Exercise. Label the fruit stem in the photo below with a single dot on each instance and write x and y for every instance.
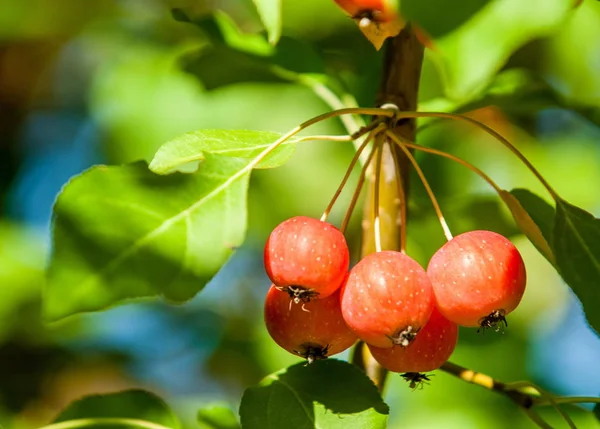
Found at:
(376, 220)
(494, 134)
(353, 162)
(339, 138)
(262, 155)
(403, 203)
(436, 206)
(453, 158)
(356, 193)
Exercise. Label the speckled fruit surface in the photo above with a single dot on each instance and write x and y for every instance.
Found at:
(306, 252)
(316, 324)
(386, 293)
(432, 347)
(476, 274)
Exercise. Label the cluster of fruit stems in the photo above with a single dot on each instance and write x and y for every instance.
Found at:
(375, 136)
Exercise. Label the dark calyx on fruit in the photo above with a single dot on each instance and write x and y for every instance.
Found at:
(404, 336)
(493, 320)
(312, 352)
(416, 379)
(299, 294)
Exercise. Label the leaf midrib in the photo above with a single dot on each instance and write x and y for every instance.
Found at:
(167, 223)
(306, 411)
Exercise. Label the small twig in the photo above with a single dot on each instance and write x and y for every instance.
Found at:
(512, 391)
(356, 193)
(491, 132)
(349, 170)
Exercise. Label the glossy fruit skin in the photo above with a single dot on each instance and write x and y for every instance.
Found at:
(386, 293)
(307, 252)
(378, 10)
(475, 274)
(430, 349)
(318, 323)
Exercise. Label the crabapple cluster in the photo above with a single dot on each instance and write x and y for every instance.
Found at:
(407, 316)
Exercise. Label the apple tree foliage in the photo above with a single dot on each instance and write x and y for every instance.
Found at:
(164, 229)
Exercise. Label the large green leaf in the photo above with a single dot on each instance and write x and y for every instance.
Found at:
(326, 394)
(577, 250)
(471, 54)
(217, 416)
(270, 14)
(534, 216)
(191, 147)
(122, 232)
(129, 404)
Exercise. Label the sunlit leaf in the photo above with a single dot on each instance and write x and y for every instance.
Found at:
(191, 147)
(270, 14)
(577, 250)
(472, 53)
(129, 404)
(535, 218)
(122, 232)
(326, 394)
(217, 416)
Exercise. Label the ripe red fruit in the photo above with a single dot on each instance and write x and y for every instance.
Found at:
(307, 258)
(387, 299)
(376, 10)
(430, 349)
(315, 330)
(478, 278)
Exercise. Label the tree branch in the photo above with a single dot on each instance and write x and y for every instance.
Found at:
(399, 86)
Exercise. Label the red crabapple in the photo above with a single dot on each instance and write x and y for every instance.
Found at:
(430, 349)
(307, 258)
(387, 299)
(314, 331)
(478, 278)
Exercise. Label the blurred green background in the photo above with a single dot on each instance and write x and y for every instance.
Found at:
(108, 81)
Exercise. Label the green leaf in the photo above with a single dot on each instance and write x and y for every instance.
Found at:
(535, 217)
(129, 404)
(597, 411)
(473, 53)
(577, 250)
(191, 147)
(286, 63)
(217, 416)
(440, 17)
(325, 394)
(270, 15)
(122, 232)
(521, 94)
